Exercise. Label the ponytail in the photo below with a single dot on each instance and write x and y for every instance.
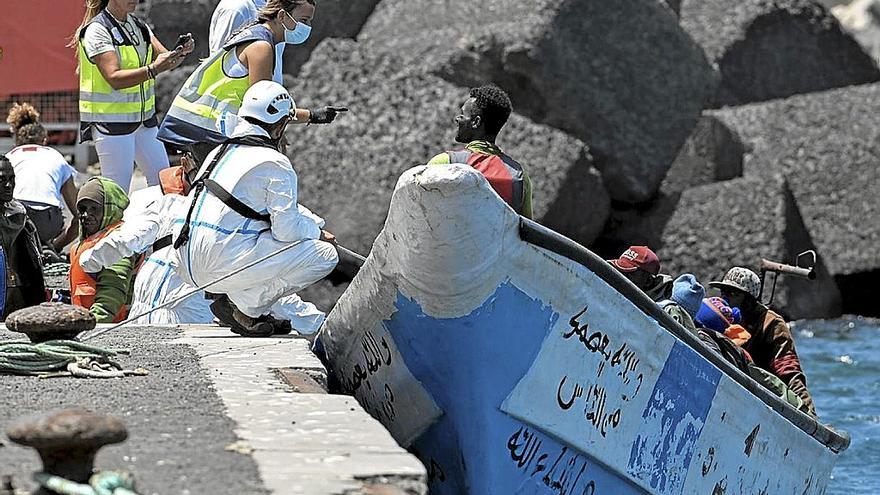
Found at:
(93, 8)
(24, 122)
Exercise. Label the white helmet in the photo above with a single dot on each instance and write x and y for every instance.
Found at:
(267, 101)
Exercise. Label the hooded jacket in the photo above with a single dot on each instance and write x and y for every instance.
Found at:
(24, 267)
(107, 293)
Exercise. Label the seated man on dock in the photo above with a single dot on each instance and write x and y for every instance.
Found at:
(23, 268)
(642, 267)
(771, 344)
(482, 116)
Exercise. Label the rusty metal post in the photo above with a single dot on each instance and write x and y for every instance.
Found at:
(68, 440)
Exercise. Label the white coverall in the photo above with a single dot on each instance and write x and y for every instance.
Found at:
(221, 240)
(149, 217)
(156, 282)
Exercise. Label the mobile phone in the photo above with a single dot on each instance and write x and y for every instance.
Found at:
(182, 40)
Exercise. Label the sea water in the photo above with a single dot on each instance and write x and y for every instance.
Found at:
(841, 358)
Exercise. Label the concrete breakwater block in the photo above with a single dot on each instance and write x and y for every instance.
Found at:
(622, 76)
(51, 321)
(773, 49)
(637, 225)
(333, 19)
(712, 153)
(738, 222)
(401, 117)
(827, 145)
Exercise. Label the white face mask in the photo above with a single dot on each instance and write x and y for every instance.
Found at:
(299, 34)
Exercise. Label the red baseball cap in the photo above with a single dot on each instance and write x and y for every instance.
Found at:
(637, 258)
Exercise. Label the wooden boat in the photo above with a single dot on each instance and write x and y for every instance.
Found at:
(511, 360)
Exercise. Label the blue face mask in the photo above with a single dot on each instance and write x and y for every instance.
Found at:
(297, 35)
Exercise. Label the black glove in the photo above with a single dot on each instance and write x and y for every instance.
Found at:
(324, 115)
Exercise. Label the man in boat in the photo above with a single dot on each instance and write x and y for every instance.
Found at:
(720, 330)
(687, 296)
(23, 267)
(482, 117)
(642, 267)
(242, 209)
(771, 344)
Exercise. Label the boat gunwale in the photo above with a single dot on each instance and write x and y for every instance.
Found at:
(540, 236)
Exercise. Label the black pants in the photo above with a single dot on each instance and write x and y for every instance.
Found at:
(49, 222)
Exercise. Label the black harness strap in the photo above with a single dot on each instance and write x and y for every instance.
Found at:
(222, 194)
(162, 243)
(233, 202)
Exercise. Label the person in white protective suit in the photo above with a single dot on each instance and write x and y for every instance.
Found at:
(147, 226)
(243, 207)
(145, 222)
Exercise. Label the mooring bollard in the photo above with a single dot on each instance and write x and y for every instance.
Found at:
(51, 321)
(67, 441)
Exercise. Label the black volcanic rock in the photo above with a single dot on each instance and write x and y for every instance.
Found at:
(827, 145)
(623, 77)
(767, 49)
(712, 153)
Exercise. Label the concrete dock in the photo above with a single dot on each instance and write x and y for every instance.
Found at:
(220, 414)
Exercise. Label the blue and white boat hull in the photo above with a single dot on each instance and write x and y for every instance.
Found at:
(512, 361)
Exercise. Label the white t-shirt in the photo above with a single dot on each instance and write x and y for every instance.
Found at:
(228, 18)
(98, 39)
(40, 172)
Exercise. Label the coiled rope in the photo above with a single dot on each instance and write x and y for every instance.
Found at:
(61, 358)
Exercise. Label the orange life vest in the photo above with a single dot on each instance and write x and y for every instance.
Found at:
(172, 180)
(83, 286)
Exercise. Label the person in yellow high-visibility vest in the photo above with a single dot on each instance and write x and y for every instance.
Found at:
(195, 121)
(119, 58)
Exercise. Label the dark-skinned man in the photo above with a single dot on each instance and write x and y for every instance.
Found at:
(18, 237)
(641, 266)
(482, 117)
(771, 344)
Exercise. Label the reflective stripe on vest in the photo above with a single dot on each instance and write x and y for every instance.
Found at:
(83, 287)
(98, 101)
(503, 173)
(209, 92)
(172, 180)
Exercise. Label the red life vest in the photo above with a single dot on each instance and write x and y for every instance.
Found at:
(504, 174)
(83, 287)
(172, 180)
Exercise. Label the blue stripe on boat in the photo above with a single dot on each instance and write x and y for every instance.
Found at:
(673, 420)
